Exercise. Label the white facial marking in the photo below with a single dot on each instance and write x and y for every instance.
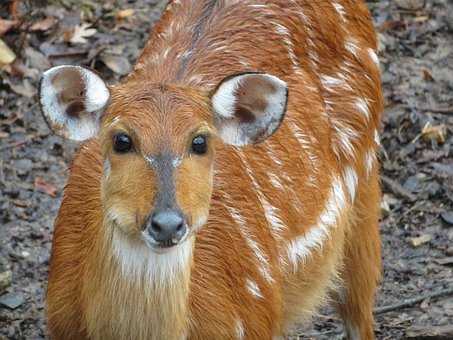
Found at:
(151, 161)
(106, 169)
(351, 180)
(138, 261)
(176, 162)
(254, 289)
(300, 248)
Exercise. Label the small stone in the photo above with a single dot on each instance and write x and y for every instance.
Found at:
(411, 183)
(5, 280)
(12, 301)
(449, 251)
(447, 217)
(23, 166)
(418, 241)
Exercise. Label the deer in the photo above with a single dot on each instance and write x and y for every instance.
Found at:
(228, 187)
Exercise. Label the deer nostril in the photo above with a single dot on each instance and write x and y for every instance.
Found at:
(167, 226)
(156, 227)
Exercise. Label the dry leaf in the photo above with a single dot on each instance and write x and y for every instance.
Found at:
(43, 25)
(80, 33)
(124, 14)
(6, 25)
(7, 56)
(418, 241)
(437, 132)
(117, 64)
(42, 186)
(25, 88)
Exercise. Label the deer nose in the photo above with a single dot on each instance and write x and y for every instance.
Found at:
(167, 227)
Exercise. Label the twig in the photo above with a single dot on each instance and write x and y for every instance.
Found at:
(411, 302)
(397, 188)
(441, 110)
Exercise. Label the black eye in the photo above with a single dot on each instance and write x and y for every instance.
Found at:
(199, 145)
(122, 143)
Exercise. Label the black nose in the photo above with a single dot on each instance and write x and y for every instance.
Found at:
(167, 227)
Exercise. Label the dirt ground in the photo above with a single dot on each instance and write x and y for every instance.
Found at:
(416, 53)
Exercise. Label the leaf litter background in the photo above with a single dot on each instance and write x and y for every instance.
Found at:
(416, 52)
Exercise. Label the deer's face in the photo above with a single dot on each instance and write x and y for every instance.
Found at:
(158, 142)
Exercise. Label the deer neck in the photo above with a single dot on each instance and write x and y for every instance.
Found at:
(142, 294)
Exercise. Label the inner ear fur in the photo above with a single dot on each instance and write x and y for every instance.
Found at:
(249, 107)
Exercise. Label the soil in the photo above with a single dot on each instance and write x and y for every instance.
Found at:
(416, 53)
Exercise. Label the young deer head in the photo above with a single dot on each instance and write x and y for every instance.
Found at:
(158, 142)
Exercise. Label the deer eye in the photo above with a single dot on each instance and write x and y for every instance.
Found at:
(199, 145)
(122, 143)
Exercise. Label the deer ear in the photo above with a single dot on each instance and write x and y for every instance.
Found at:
(249, 108)
(72, 100)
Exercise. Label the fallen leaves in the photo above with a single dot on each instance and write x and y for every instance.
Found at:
(42, 186)
(117, 63)
(43, 25)
(7, 56)
(79, 34)
(124, 14)
(6, 25)
(436, 132)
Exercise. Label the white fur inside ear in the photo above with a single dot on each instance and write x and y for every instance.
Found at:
(235, 92)
(77, 80)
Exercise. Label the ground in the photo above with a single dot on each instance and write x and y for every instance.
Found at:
(416, 53)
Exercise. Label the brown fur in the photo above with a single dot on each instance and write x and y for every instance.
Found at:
(162, 105)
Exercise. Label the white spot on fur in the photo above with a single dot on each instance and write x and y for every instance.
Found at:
(351, 181)
(370, 159)
(352, 46)
(262, 258)
(363, 107)
(345, 137)
(301, 247)
(240, 332)
(270, 212)
(374, 56)
(270, 153)
(275, 181)
(254, 289)
(286, 36)
(340, 10)
(138, 260)
(377, 139)
(331, 83)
